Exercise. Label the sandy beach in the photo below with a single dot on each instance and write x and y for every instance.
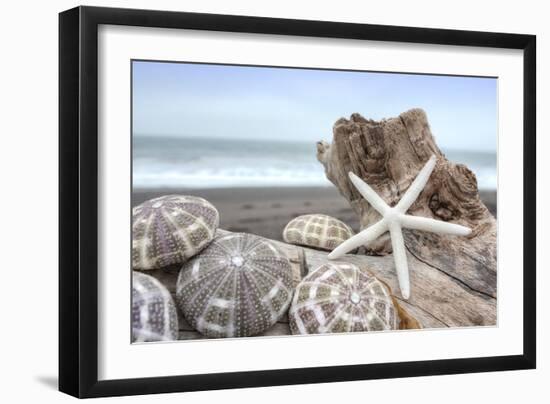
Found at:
(266, 211)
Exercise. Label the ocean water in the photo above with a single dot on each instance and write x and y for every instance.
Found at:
(218, 163)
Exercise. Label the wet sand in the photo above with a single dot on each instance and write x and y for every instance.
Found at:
(266, 211)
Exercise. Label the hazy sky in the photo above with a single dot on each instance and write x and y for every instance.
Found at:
(179, 99)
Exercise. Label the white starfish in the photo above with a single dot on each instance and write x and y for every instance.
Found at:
(393, 220)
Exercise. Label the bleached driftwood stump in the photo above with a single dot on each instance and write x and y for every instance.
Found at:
(452, 278)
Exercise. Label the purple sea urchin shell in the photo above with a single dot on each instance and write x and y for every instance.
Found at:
(171, 229)
(154, 316)
(341, 297)
(240, 285)
(316, 230)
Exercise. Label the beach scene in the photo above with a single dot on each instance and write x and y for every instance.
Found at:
(276, 201)
(241, 137)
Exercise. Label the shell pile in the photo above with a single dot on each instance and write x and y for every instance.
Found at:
(239, 286)
(154, 316)
(318, 231)
(171, 229)
(341, 297)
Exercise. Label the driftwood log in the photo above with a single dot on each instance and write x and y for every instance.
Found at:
(453, 278)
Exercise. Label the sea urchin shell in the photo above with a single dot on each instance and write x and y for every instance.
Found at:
(341, 297)
(154, 316)
(319, 231)
(171, 229)
(240, 285)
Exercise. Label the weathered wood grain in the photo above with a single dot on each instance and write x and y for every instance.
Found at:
(437, 300)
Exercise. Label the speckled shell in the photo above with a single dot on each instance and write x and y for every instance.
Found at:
(318, 231)
(239, 286)
(340, 297)
(154, 316)
(171, 229)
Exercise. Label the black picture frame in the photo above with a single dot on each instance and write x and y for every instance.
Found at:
(78, 200)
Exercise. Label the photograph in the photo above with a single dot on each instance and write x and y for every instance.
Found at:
(273, 201)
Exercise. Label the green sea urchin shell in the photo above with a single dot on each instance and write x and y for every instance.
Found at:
(240, 285)
(171, 229)
(341, 297)
(154, 316)
(318, 231)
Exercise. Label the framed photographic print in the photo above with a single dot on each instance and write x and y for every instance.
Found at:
(251, 201)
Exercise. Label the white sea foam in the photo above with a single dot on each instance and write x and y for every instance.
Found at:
(241, 176)
(213, 163)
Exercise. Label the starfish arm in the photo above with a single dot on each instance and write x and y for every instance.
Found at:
(365, 237)
(400, 259)
(369, 194)
(417, 186)
(434, 226)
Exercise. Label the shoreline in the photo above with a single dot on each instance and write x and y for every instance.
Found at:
(265, 211)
